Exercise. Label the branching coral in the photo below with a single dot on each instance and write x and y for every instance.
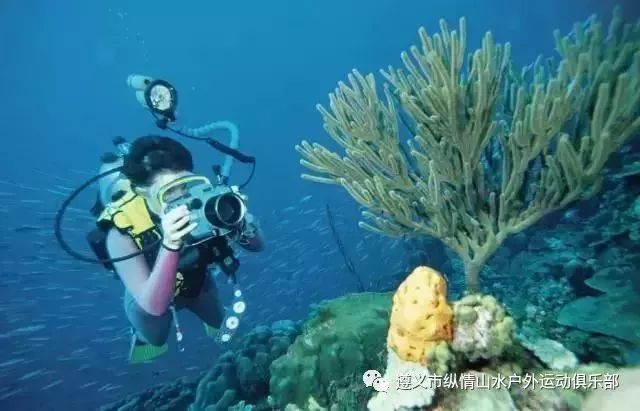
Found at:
(492, 151)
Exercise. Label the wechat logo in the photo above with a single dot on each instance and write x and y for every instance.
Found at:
(373, 378)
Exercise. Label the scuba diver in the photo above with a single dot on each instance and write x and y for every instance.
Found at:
(166, 231)
(164, 277)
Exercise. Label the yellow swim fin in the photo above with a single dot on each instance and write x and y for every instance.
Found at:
(142, 352)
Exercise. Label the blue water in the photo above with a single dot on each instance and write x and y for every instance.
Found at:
(262, 65)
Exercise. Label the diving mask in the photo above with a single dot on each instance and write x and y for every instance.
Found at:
(216, 209)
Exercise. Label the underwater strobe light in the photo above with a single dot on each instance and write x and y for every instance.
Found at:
(159, 96)
(232, 319)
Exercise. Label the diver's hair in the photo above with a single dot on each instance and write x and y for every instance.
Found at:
(150, 155)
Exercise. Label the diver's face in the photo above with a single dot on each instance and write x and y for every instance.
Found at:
(160, 180)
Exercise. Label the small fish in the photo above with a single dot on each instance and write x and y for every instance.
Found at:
(12, 362)
(106, 329)
(80, 350)
(58, 193)
(27, 228)
(306, 198)
(29, 329)
(77, 210)
(104, 387)
(64, 188)
(53, 384)
(11, 393)
(32, 374)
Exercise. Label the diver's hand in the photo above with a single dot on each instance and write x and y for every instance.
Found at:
(175, 225)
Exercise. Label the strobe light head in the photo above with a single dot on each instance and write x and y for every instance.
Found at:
(159, 96)
(162, 98)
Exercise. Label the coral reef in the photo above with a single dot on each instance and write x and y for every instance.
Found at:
(607, 307)
(243, 375)
(175, 396)
(492, 151)
(322, 369)
(495, 399)
(476, 329)
(558, 287)
(539, 274)
(342, 338)
(616, 312)
(483, 352)
(238, 381)
(624, 398)
(552, 353)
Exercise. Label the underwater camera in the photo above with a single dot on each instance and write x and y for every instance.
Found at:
(217, 209)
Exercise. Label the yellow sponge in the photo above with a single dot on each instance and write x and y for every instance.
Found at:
(421, 316)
